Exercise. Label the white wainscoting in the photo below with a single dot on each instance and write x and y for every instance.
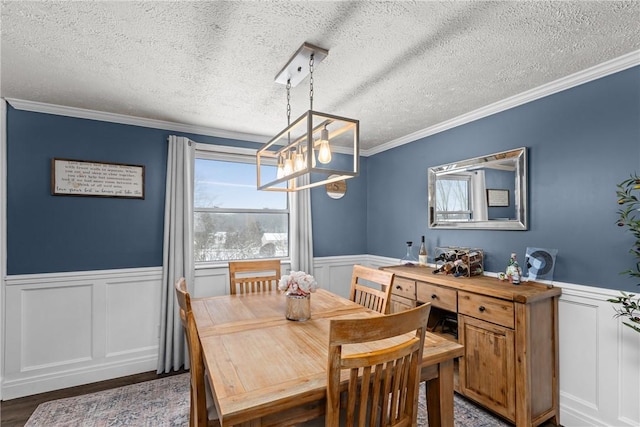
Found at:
(334, 273)
(599, 361)
(66, 329)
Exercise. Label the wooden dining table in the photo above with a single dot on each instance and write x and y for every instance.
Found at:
(266, 370)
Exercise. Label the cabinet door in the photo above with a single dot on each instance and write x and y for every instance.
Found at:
(399, 304)
(487, 370)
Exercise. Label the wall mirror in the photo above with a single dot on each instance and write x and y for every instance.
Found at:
(488, 192)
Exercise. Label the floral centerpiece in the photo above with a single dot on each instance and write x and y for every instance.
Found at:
(298, 287)
(298, 283)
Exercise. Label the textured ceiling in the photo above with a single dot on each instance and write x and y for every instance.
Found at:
(397, 66)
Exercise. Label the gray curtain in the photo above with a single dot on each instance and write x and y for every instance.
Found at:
(479, 196)
(302, 238)
(177, 251)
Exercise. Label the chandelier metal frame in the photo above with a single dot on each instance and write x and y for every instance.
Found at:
(294, 148)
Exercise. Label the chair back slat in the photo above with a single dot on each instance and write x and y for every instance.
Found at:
(363, 293)
(253, 276)
(382, 387)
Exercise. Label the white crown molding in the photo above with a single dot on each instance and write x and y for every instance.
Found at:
(60, 110)
(606, 68)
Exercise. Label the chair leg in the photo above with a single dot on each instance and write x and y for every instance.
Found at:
(192, 409)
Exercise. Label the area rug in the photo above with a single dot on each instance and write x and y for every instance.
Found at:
(165, 403)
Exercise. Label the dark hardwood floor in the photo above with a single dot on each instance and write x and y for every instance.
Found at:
(16, 412)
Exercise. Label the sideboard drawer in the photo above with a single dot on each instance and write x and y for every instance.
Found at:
(404, 288)
(444, 298)
(482, 307)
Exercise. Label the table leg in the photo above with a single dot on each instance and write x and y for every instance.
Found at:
(440, 396)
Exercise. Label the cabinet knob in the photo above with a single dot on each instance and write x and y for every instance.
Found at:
(481, 308)
(398, 287)
(434, 296)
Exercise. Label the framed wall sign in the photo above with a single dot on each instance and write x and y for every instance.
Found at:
(497, 198)
(97, 179)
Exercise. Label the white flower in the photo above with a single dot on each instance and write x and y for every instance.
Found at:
(298, 282)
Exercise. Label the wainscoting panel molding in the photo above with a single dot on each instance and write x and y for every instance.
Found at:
(579, 352)
(334, 273)
(66, 329)
(599, 361)
(71, 307)
(125, 300)
(210, 282)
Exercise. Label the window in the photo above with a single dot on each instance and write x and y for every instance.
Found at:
(232, 219)
(453, 198)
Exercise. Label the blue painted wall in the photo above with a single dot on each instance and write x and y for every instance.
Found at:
(340, 225)
(581, 143)
(48, 233)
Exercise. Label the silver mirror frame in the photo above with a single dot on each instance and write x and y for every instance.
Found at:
(519, 156)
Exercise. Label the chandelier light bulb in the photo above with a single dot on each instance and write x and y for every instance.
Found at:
(299, 163)
(288, 166)
(280, 170)
(324, 154)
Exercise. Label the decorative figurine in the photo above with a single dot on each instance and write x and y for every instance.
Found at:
(513, 270)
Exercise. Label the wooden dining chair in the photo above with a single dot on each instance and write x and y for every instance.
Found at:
(253, 276)
(203, 411)
(382, 386)
(372, 298)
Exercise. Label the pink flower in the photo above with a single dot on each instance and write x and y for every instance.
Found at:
(298, 282)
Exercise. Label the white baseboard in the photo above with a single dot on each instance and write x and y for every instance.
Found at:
(29, 385)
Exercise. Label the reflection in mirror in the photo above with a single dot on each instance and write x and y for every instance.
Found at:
(488, 192)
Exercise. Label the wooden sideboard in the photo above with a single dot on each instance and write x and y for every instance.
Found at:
(509, 332)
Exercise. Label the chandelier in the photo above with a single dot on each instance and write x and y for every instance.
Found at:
(317, 148)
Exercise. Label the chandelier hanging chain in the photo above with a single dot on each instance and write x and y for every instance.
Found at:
(289, 102)
(289, 108)
(311, 82)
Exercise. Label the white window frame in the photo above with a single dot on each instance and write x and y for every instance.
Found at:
(462, 177)
(241, 155)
